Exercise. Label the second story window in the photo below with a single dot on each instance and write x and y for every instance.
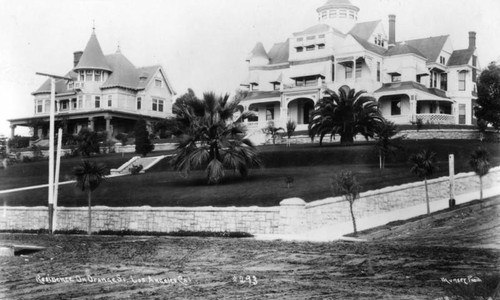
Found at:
(442, 60)
(97, 102)
(461, 81)
(276, 86)
(139, 103)
(39, 106)
(97, 76)
(88, 76)
(157, 105)
(348, 72)
(299, 49)
(79, 102)
(110, 100)
(343, 13)
(81, 76)
(444, 82)
(310, 48)
(359, 70)
(321, 46)
(269, 112)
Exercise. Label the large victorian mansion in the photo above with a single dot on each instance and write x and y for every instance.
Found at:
(105, 93)
(422, 79)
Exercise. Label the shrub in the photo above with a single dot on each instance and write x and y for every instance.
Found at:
(19, 142)
(122, 137)
(88, 142)
(143, 143)
(135, 169)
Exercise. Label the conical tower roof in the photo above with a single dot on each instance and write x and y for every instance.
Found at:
(92, 57)
(258, 51)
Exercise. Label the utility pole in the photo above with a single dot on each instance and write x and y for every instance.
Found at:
(451, 162)
(51, 142)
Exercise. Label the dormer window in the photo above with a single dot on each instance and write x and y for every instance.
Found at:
(300, 39)
(254, 86)
(396, 78)
(321, 36)
(310, 48)
(299, 49)
(70, 85)
(442, 60)
(321, 46)
(88, 75)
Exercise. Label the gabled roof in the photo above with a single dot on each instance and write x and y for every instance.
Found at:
(406, 85)
(430, 47)
(61, 85)
(146, 74)
(369, 46)
(279, 53)
(258, 51)
(364, 30)
(318, 28)
(92, 57)
(460, 57)
(403, 48)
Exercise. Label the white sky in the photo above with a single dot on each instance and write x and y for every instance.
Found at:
(202, 44)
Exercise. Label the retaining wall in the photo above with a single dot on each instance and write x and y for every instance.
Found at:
(292, 216)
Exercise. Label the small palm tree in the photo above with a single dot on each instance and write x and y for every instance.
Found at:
(273, 131)
(480, 163)
(346, 185)
(290, 129)
(347, 113)
(424, 165)
(386, 143)
(89, 176)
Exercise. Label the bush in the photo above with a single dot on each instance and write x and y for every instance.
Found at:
(135, 169)
(143, 143)
(122, 137)
(88, 142)
(19, 142)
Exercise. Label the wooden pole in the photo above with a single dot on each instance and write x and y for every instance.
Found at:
(451, 163)
(56, 184)
(51, 150)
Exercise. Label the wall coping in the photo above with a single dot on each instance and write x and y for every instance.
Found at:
(149, 208)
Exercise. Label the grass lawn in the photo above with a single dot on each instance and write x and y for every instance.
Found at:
(311, 166)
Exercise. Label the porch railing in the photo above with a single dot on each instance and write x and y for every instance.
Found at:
(435, 118)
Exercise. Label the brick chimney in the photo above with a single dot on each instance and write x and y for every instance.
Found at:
(472, 40)
(392, 30)
(76, 57)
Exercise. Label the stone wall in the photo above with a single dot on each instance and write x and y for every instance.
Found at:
(292, 216)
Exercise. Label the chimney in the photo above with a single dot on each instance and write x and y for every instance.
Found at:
(392, 30)
(76, 57)
(472, 40)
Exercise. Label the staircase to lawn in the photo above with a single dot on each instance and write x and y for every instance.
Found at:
(145, 162)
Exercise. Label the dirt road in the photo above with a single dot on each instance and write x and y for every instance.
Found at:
(404, 261)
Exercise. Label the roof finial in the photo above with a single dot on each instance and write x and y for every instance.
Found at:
(93, 26)
(118, 50)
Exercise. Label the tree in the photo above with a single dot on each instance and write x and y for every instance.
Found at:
(488, 96)
(346, 185)
(88, 142)
(290, 129)
(347, 113)
(424, 165)
(143, 144)
(212, 140)
(386, 142)
(480, 163)
(182, 100)
(272, 131)
(89, 176)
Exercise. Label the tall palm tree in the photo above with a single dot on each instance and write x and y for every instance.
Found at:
(212, 138)
(480, 163)
(347, 113)
(89, 176)
(424, 165)
(385, 140)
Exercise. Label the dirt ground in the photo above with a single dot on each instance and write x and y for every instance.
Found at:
(402, 261)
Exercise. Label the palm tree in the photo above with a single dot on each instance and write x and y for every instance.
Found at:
(424, 165)
(386, 143)
(272, 131)
(290, 129)
(346, 185)
(480, 163)
(211, 139)
(347, 114)
(89, 176)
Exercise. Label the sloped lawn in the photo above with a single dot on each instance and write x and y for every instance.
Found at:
(311, 167)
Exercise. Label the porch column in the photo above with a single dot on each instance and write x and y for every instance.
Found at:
(353, 75)
(91, 123)
(12, 131)
(413, 110)
(283, 115)
(109, 129)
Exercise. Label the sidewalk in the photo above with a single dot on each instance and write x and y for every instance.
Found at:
(335, 232)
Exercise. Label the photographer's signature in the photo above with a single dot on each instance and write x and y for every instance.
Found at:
(461, 280)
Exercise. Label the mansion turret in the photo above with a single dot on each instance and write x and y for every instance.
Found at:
(106, 93)
(421, 79)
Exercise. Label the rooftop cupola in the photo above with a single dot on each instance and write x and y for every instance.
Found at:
(92, 57)
(258, 56)
(340, 14)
